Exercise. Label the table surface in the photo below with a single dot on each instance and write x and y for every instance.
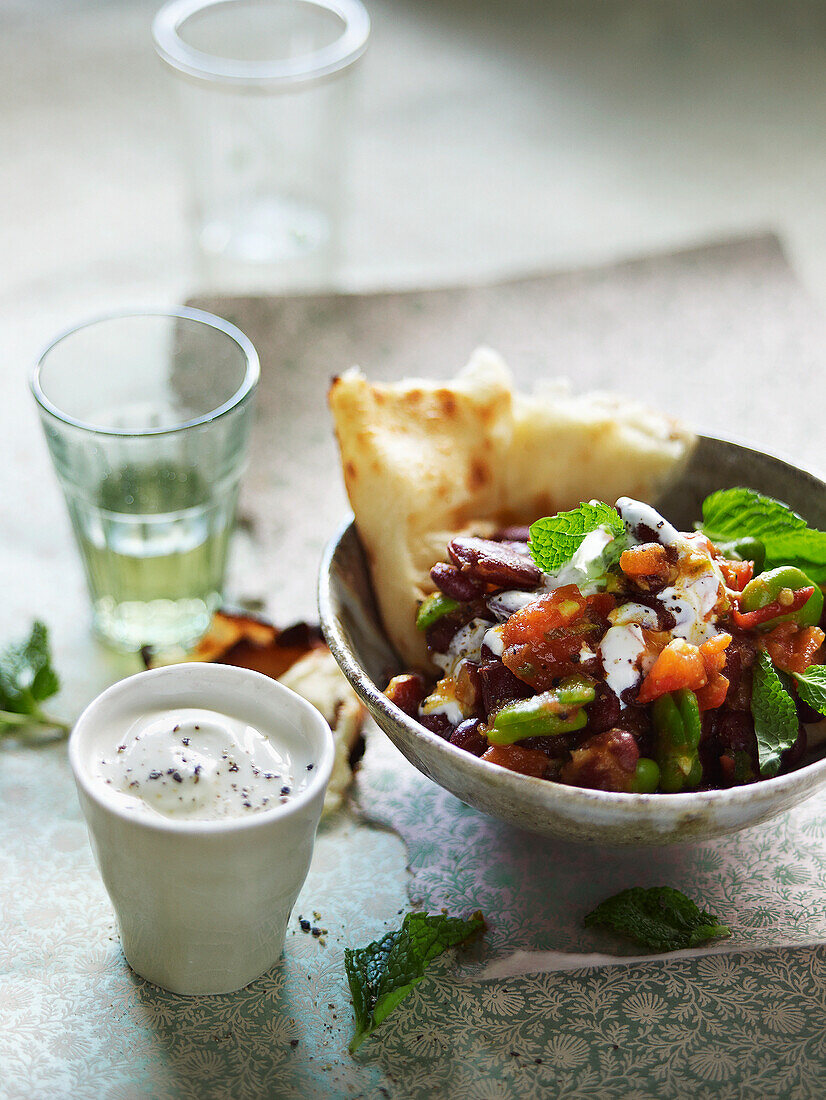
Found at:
(620, 129)
(77, 1023)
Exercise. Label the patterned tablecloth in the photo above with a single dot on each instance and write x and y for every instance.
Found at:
(706, 334)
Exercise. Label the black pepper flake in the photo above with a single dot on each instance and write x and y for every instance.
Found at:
(310, 767)
(269, 775)
(185, 740)
(121, 748)
(285, 790)
(155, 775)
(176, 728)
(196, 727)
(294, 1042)
(248, 805)
(233, 767)
(177, 777)
(305, 925)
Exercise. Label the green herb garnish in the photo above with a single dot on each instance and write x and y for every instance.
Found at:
(734, 514)
(776, 724)
(383, 973)
(811, 686)
(555, 539)
(26, 680)
(661, 919)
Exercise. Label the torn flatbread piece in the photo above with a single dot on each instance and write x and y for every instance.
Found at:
(424, 461)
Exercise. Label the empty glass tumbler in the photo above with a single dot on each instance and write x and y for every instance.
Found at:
(147, 418)
(263, 89)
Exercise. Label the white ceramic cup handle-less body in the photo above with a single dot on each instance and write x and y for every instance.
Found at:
(202, 907)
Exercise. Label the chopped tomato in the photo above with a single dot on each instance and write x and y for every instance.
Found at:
(737, 574)
(793, 648)
(539, 618)
(713, 652)
(516, 759)
(680, 665)
(714, 693)
(647, 560)
(543, 640)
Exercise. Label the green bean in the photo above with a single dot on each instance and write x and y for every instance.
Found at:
(433, 608)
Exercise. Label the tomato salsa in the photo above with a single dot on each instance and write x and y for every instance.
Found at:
(603, 648)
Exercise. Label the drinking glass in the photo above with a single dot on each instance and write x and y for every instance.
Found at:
(147, 419)
(263, 88)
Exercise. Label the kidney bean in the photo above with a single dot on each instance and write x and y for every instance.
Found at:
(454, 583)
(735, 734)
(467, 736)
(493, 562)
(556, 747)
(604, 712)
(497, 685)
(440, 635)
(637, 721)
(437, 723)
(517, 759)
(606, 762)
(516, 533)
(407, 692)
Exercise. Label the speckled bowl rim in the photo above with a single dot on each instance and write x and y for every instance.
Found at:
(665, 806)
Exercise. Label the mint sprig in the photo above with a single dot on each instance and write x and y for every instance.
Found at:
(776, 724)
(811, 687)
(732, 514)
(555, 539)
(660, 918)
(381, 974)
(26, 680)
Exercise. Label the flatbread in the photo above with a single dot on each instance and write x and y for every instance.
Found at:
(423, 461)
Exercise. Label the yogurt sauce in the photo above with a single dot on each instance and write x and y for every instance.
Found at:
(200, 765)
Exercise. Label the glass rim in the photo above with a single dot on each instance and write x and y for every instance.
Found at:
(234, 401)
(273, 74)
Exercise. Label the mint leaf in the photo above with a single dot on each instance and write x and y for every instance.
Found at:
(661, 918)
(554, 540)
(775, 714)
(811, 686)
(26, 680)
(383, 973)
(731, 514)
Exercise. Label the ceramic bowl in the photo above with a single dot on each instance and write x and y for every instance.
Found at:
(202, 906)
(354, 633)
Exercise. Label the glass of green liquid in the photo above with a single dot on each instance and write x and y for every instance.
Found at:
(147, 418)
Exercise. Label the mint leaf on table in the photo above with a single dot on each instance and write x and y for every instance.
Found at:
(661, 919)
(732, 514)
(383, 973)
(811, 687)
(26, 680)
(555, 539)
(776, 724)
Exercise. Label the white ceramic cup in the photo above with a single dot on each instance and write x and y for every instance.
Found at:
(202, 906)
